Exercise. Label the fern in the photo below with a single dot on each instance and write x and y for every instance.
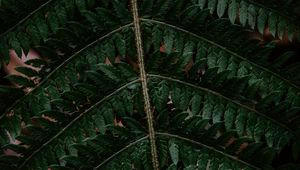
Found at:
(254, 13)
(150, 84)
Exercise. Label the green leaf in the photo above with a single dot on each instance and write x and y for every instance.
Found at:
(202, 3)
(120, 44)
(222, 62)
(52, 21)
(100, 123)
(252, 14)
(81, 5)
(232, 103)
(146, 7)
(282, 27)
(208, 108)
(196, 104)
(240, 122)
(108, 115)
(42, 27)
(61, 14)
(120, 10)
(169, 40)
(291, 31)
(203, 160)
(161, 95)
(20, 80)
(243, 13)
(272, 22)
(157, 37)
(233, 11)
(15, 44)
(24, 42)
(109, 71)
(212, 59)
(27, 71)
(162, 7)
(212, 5)
(174, 152)
(87, 89)
(259, 130)
(91, 17)
(187, 53)
(222, 5)
(218, 113)
(109, 50)
(261, 20)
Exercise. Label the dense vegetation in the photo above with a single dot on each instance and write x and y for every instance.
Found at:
(150, 84)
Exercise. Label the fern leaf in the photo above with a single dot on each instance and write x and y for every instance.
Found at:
(243, 13)
(273, 24)
(232, 11)
(27, 71)
(219, 99)
(20, 80)
(174, 152)
(252, 16)
(222, 5)
(212, 5)
(261, 21)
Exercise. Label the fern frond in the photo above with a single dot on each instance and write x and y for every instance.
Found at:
(255, 15)
(231, 68)
(214, 44)
(209, 109)
(150, 84)
(86, 126)
(119, 152)
(203, 157)
(11, 5)
(78, 53)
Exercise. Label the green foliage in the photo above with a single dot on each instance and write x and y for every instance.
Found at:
(219, 100)
(245, 12)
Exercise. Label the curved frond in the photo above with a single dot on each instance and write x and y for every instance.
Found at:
(150, 84)
(256, 15)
